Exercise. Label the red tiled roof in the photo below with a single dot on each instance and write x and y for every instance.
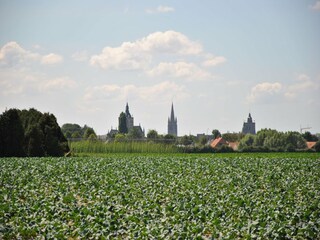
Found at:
(311, 144)
(218, 141)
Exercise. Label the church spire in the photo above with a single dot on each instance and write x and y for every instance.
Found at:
(172, 123)
(172, 113)
(127, 110)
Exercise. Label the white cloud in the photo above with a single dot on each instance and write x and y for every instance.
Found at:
(265, 89)
(126, 57)
(139, 54)
(213, 61)
(302, 84)
(171, 42)
(160, 9)
(20, 81)
(159, 92)
(51, 58)
(188, 71)
(316, 6)
(12, 53)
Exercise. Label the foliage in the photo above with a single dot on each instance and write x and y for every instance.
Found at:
(247, 141)
(123, 123)
(76, 135)
(279, 141)
(72, 130)
(89, 132)
(169, 138)
(135, 133)
(122, 145)
(68, 129)
(31, 133)
(232, 137)
(203, 140)
(317, 146)
(216, 133)
(186, 140)
(120, 137)
(161, 197)
(310, 137)
(152, 134)
(11, 134)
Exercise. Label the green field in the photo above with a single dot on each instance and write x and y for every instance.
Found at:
(234, 196)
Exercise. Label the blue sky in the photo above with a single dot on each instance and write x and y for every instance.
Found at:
(216, 60)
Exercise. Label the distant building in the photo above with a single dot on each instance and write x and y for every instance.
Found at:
(129, 118)
(130, 122)
(249, 126)
(218, 142)
(112, 133)
(172, 123)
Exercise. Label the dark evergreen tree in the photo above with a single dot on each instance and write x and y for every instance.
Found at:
(31, 133)
(34, 142)
(317, 146)
(11, 134)
(123, 123)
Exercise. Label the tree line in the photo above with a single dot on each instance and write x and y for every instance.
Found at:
(30, 133)
(273, 140)
(75, 131)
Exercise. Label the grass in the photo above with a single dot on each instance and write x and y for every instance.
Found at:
(89, 147)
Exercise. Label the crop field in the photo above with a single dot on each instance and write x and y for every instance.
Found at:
(161, 197)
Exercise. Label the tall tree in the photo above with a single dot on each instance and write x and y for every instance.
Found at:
(11, 134)
(88, 132)
(123, 123)
(34, 142)
(216, 133)
(152, 134)
(247, 141)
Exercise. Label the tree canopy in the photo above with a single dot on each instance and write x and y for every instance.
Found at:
(30, 133)
(216, 133)
(152, 134)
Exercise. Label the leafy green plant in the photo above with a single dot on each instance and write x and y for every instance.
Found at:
(145, 196)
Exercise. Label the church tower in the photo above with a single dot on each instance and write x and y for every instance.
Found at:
(129, 118)
(172, 123)
(249, 126)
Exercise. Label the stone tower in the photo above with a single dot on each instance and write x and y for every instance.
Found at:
(172, 123)
(129, 118)
(249, 126)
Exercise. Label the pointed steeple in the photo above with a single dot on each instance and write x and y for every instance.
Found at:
(250, 118)
(172, 123)
(172, 113)
(127, 110)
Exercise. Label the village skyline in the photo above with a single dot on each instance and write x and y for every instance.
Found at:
(217, 61)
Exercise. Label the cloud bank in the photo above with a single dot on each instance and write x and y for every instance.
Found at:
(158, 54)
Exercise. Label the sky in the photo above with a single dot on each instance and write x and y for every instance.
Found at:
(215, 60)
